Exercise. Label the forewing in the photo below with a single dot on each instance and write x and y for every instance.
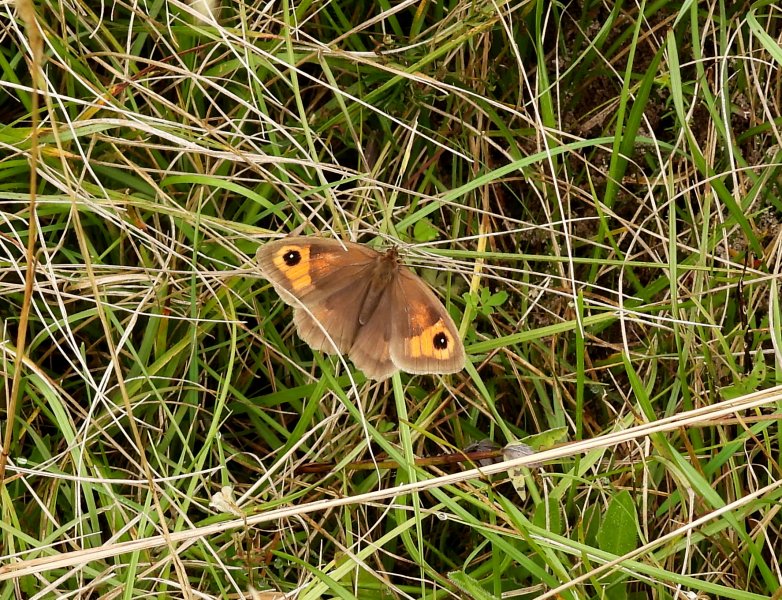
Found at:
(326, 286)
(326, 267)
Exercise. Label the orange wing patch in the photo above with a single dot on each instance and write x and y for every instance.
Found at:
(294, 263)
(434, 341)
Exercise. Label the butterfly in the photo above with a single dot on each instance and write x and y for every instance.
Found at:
(350, 299)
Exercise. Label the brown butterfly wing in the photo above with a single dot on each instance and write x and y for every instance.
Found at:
(371, 351)
(424, 338)
(324, 282)
(311, 269)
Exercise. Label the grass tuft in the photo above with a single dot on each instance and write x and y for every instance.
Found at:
(593, 190)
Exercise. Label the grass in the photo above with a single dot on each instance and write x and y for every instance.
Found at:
(592, 189)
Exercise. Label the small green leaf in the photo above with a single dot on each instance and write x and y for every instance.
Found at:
(619, 531)
(747, 384)
(484, 301)
(497, 298)
(424, 231)
(547, 439)
(548, 517)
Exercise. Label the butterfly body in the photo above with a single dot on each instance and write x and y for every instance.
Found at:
(353, 300)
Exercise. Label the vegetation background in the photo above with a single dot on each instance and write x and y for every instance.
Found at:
(593, 188)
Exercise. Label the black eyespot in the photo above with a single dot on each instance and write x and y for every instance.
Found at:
(440, 341)
(292, 258)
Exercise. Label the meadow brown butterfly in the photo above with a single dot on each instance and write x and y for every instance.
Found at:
(350, 299)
